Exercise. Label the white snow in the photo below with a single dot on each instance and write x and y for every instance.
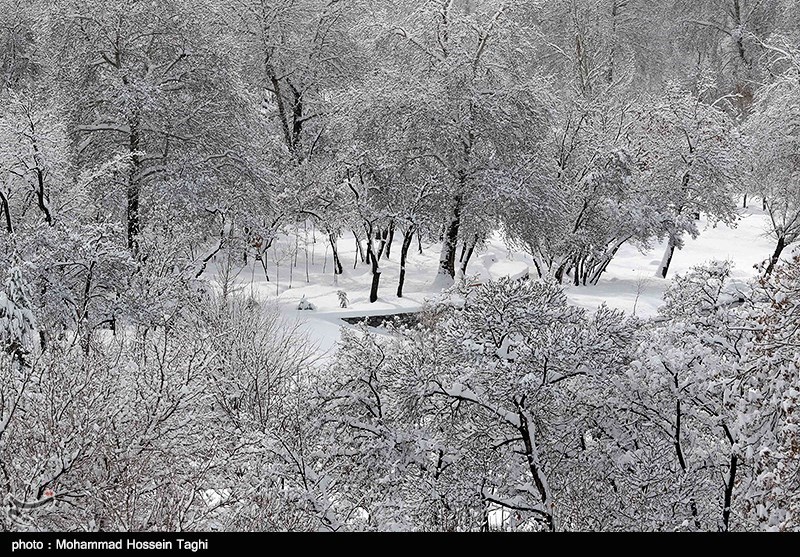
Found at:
(629, 283)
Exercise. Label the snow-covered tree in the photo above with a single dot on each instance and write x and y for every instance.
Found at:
(586, 197)
(478, 105)
(691, 162)
(17, 322)
(773, 135)
(768, 405)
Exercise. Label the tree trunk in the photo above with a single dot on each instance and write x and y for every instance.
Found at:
(538, 267)
(408, 235)
(559, 274)
(744, 202)
(603, 264)
(6, 213)
(679, 452)
(359, 251)
(41, 195)
(373, 289)
(466, 256)
(305, 247)
(447, 260)
(134, 185)
(729, 484)
(381, 236)
(41, 198)
(776, 256)
(726, 509)
(337, 263)
(265, 263)
(376, 271)
(391, 238)
(291, 271)
(485, 507)
(539, 478)
(667, 259)
(297, 115)
(277, 272)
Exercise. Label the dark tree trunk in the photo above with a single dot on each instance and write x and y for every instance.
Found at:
(408, 236)
(337, 264)
(381, 237)
(264, 258)
(744, 202)
(538, 267)
(134, 184)
(679, 452)
(373, 289)
(559, 274)
(484, 513)
(465, 257)
(677, 439)
(419, 243)
(41, 198)
(776, 256)
(667, 259)
(359, 251)
(282, 112)
(447, 261)
(38, 170)
(533, 465)
(390, 239)
(376, 271)
(297, 116)
(726, 509)
(6, 213)
(599, 270)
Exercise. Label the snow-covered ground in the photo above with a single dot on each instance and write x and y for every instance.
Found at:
(631, 277)
(629, 284)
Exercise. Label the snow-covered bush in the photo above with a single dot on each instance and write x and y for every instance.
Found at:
(768, 406)
(17, 324)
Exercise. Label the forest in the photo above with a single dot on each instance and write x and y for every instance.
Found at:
(153, 154)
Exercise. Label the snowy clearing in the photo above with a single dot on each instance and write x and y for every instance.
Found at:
(629, 284)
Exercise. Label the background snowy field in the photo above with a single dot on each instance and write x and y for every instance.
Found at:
(629, 284)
